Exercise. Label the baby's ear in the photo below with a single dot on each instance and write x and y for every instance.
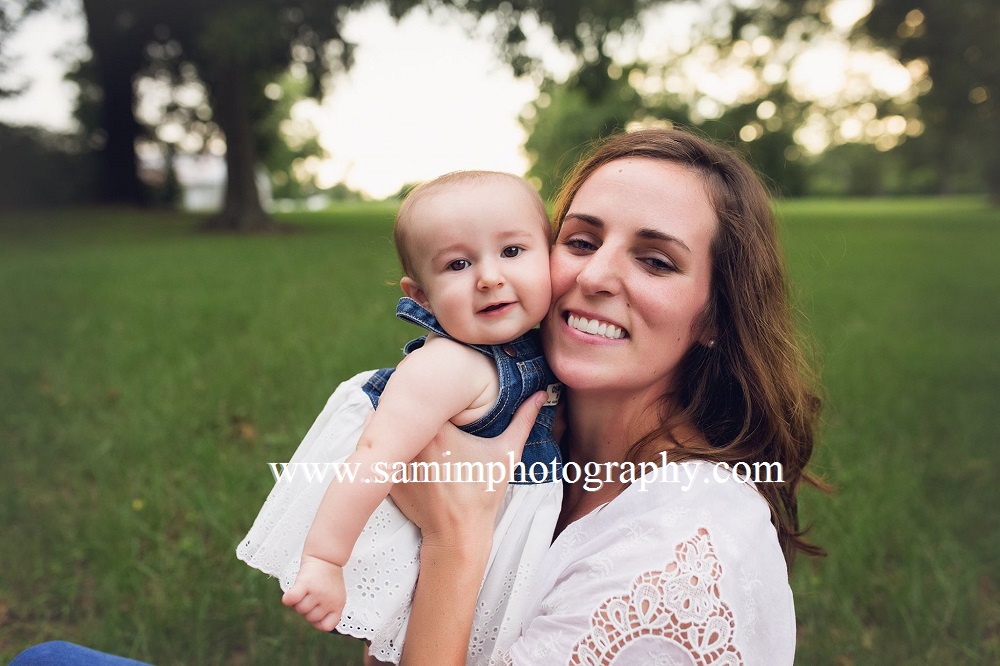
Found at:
(412, 289)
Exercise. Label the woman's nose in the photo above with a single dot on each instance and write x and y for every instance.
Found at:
(600, 273)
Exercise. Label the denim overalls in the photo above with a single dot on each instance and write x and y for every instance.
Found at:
(522, 371)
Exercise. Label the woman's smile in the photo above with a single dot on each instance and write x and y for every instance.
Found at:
(595, 326)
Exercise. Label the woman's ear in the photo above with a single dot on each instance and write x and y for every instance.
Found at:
(412, 289)
(704, 329)
(708, 338)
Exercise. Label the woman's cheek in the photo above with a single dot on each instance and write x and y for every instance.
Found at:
(561, 271)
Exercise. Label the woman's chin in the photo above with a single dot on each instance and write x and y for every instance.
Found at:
(582, 376)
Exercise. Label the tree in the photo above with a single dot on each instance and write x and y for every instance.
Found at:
(956, 109)
(289, 143)
(117, 33)
(565, 120)
(40, 168)
(758, 116)
(240, 46)
(957, 41)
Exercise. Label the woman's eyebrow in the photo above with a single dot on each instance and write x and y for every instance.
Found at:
(586, 219)
(648, 234)
(655, 234)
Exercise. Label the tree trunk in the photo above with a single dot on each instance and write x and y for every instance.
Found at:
(241, 210)
(118, 58)
(120, 179)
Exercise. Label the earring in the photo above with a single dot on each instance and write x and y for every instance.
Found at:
(711, 344)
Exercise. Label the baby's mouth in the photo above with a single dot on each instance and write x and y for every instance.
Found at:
(495, 307)
(596, 327)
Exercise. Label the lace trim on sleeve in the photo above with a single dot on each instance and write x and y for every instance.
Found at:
(679, 604)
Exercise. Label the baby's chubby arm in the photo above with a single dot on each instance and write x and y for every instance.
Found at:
(431, 386)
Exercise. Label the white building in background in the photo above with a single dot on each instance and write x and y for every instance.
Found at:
(202, 179)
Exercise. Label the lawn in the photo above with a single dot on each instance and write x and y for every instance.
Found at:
(149, 371)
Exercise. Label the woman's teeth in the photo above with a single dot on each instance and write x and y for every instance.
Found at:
(595, 327)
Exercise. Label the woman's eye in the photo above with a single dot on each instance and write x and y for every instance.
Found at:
(512, 251)
(579, 244)
(659, 265)
(459, 265)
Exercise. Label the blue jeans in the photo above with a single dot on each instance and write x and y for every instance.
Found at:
(61, 653)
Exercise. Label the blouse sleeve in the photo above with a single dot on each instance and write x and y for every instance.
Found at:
(681, 571)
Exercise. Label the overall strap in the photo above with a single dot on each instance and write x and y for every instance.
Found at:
(409, 310)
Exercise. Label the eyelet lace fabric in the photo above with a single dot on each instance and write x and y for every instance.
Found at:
(679, 604)
(381, 573)
(677, 573)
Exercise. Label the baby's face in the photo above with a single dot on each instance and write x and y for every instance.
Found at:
(481, 261)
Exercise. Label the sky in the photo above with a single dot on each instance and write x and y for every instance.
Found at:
(424, 97)
(46, 42)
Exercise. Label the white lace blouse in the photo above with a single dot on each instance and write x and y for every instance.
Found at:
(687, 572)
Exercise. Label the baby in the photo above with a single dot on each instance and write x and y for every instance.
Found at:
(474, 251)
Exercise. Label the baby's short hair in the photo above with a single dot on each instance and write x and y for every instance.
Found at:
(411, 204)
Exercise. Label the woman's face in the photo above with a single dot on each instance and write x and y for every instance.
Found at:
(631, 272)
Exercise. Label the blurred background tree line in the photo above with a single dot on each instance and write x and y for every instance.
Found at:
(222, 76)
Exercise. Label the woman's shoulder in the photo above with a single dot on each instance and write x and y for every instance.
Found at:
(694, 491)
(675, 494)
(674, 504)
(680, 558)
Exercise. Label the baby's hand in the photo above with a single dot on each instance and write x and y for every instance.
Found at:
(318, 593)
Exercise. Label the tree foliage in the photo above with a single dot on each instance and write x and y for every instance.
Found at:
(605, 95)
(958, 42)
(565, 120)
(238, 47)
(42, 168)
(951, 115)
(287, 143)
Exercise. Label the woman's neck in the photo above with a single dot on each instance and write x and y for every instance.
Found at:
(600, 428)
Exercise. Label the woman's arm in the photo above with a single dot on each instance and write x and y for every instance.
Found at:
(456, 522)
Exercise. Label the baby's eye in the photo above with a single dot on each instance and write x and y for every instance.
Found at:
(512, 251)
(459, 265)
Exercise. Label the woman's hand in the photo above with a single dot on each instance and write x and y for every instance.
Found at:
(456, 521)
(448, 513)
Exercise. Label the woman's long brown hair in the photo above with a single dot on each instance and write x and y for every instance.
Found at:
(752, 395)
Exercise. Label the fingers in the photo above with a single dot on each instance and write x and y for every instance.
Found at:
(520, 426)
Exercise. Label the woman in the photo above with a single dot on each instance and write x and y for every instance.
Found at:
(671, 331)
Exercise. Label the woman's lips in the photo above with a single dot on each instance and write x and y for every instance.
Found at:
(594, 326)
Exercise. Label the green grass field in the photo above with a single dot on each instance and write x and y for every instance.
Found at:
(149, 371)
